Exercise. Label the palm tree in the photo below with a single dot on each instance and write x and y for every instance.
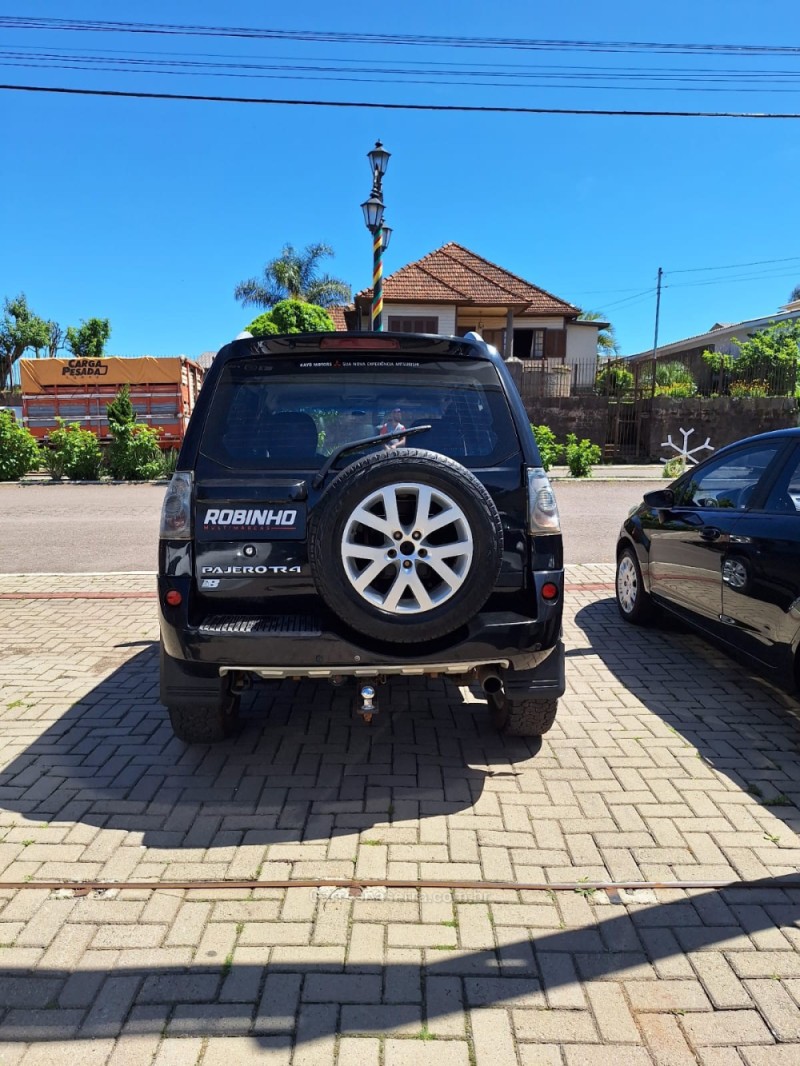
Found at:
(607, 343)
(294, 276)
(795, 294)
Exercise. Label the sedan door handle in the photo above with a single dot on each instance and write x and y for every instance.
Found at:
(712, 533)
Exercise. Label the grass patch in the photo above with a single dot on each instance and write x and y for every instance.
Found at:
(778, 801)
(425, 1034)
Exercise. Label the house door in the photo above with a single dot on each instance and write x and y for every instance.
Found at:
(495, 337)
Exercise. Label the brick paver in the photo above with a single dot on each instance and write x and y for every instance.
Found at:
(667, 761)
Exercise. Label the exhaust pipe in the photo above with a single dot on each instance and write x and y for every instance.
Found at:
(489, 680)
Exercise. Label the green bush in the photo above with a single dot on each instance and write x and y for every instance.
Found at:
(749, 388)
(678, 389)
(674, 379)
(549, 450)
(133, 454)
(581, 456)
(263, 326)
(170, 462)
(292, 316)
(673, 468)
(614, 380)
(19, 452)
(73, 452)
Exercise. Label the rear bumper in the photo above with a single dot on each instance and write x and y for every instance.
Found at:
(307, 646)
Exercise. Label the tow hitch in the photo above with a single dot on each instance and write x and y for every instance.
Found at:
(368, 705)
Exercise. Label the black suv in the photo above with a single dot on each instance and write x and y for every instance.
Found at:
(358, 506)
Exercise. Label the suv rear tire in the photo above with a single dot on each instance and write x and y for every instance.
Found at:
(385, 559)
(523, 717)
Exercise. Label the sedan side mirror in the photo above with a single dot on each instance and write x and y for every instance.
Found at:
(660, 499)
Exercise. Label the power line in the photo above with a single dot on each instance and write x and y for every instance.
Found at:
(332, 36)
(732, 266)
(288, 75)
(571, 68)
(385, 106)
(731, 280)
(296, 72)
(638, 295)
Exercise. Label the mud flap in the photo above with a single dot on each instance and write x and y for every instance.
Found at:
(192, 683)
(545, 681)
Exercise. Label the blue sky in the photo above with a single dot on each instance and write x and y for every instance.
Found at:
(148, 213)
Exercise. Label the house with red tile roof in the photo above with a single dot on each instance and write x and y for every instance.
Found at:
(452, 291)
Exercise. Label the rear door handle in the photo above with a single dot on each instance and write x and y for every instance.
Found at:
(712, 533)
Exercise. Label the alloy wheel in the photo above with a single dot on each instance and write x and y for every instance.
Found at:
(407, 548)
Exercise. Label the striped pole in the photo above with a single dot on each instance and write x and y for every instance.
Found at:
(377, 279)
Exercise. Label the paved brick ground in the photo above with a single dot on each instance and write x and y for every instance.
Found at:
(667, 761)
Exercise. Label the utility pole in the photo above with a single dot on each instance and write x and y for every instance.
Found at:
(658, 313)
(658, 309)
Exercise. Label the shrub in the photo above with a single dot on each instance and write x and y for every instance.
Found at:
(678, 390)
(263, 326)
(717, 361)
(549, 450)
(292, 316)
(581, 456)
(19, 452)
(749, 388)
(134, 454)
(614, 380)
(73, 452)
(170, 462)
(674, 379)
(673, 468)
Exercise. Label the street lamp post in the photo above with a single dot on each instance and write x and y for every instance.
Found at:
(373, 217)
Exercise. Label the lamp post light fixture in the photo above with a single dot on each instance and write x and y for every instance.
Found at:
(373, 219)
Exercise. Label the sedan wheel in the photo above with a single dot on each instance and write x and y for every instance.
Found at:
(633, 600)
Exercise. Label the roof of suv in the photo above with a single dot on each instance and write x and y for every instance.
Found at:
(472, 346)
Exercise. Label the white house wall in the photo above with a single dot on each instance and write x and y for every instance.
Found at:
(581, 344)
(538, 322)
(446, 313)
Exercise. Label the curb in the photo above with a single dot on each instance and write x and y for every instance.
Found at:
(49, 482)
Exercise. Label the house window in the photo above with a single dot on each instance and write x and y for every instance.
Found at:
(529, 343)
(411, 324)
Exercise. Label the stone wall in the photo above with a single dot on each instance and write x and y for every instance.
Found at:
(723, 419)
(585, 416)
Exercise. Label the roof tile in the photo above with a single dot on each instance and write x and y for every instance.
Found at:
(453, 272)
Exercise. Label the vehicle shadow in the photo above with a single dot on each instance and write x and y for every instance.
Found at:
(301, 766)
(739, 724)
(281, 1001)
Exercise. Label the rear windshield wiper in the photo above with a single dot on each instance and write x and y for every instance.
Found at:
(379, 438)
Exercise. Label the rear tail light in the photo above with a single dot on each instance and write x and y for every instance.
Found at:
(176, 511)
(542, 506)
(549, 591)
(173, 598)
(352, 344)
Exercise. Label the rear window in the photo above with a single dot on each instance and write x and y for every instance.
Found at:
(272, 414)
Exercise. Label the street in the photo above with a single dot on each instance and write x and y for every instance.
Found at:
(105, 528)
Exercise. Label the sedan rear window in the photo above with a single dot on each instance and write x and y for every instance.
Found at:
(273, 414)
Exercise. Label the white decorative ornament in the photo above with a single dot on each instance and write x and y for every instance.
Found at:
(683, 451)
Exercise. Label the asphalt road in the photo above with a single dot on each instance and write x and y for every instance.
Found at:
(103, 528)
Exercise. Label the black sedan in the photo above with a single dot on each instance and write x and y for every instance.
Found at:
(720, 548)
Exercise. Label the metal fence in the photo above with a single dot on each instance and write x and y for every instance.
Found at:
(691, 375)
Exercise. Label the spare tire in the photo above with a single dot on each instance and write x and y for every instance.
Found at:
(405, 545)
